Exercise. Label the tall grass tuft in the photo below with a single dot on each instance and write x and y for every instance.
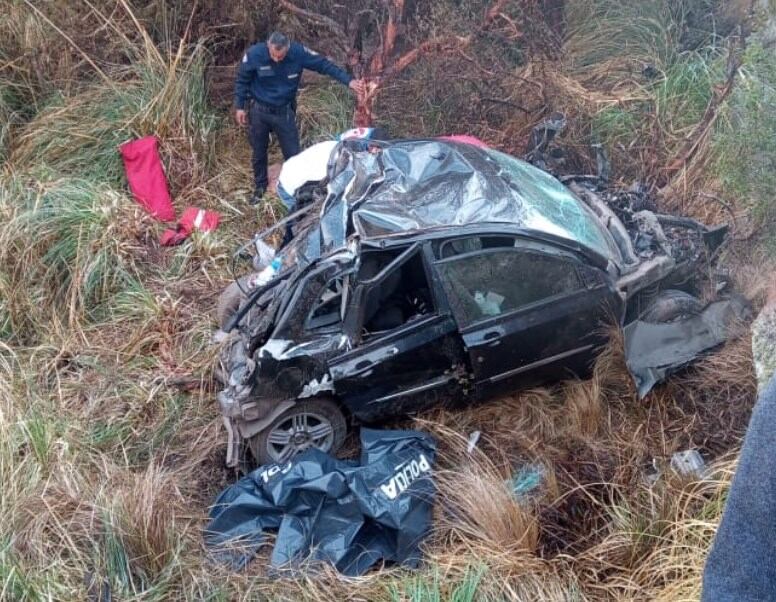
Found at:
(12, 113)
(79, 135)
(607, 38)
(658, 85)
(69, 241)
(65, 249)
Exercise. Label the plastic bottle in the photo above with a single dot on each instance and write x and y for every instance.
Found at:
(269, 272)
(264, 255)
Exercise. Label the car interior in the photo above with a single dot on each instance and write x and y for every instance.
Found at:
(397, 296)
(486, 276)
(329, 306)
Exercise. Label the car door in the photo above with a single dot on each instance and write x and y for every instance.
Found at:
(399, 367)
(528, 313)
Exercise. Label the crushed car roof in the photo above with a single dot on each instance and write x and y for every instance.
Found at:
(378, 189)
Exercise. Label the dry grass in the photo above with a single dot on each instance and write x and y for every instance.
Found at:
(480, 511)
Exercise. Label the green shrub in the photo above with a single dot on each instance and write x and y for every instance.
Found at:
(745, 141)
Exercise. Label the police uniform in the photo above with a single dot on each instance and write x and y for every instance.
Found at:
(270, 88)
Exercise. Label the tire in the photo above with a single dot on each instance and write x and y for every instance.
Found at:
(671, 305)
(229, 301)
(289, 434)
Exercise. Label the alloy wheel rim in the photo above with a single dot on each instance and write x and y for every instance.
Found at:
(299, 432)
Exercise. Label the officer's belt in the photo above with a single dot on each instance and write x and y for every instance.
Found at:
(268, 108)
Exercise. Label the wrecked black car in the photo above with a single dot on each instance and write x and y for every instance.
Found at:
(428, 272)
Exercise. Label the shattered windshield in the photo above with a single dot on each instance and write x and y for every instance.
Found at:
(551, 207)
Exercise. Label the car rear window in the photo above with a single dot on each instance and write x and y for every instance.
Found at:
(484, 285)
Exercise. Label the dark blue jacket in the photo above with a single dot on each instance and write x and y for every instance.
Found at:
(276, 84)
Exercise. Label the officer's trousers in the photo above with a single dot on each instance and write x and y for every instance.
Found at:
(281, 121)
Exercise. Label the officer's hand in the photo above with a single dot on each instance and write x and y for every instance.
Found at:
(358, 86)
(241, 116)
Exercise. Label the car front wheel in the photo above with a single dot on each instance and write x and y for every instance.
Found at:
(311, 423)
(671, 305)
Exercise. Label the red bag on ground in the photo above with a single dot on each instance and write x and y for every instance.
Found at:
(191, 219)
(146, 178)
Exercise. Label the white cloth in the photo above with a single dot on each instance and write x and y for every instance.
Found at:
(307, 166)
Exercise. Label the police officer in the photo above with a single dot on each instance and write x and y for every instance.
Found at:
(268, 78)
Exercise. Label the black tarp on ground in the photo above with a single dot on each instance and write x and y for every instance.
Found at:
(350, 514)
(653, 351)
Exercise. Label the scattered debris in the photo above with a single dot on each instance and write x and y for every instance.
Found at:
(352, 515)
(527, 482)
(474, 438)
(540, 151)
(688, 463)
(191, 219)
(264, 255)
(650, 478)
(148, 183)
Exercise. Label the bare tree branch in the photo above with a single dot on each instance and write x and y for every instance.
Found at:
(437, 45)
(383, 63)
(382, 57)
(327, 22)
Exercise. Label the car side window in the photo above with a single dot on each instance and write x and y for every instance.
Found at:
(487, 284)
(328, 309)
(469, 244)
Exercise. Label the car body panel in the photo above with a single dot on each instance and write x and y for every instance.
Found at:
(550, 335)
(556, 339)
(409, 369)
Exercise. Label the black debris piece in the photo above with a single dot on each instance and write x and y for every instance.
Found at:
(347, 513)
(540, 150)
(654, 351)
